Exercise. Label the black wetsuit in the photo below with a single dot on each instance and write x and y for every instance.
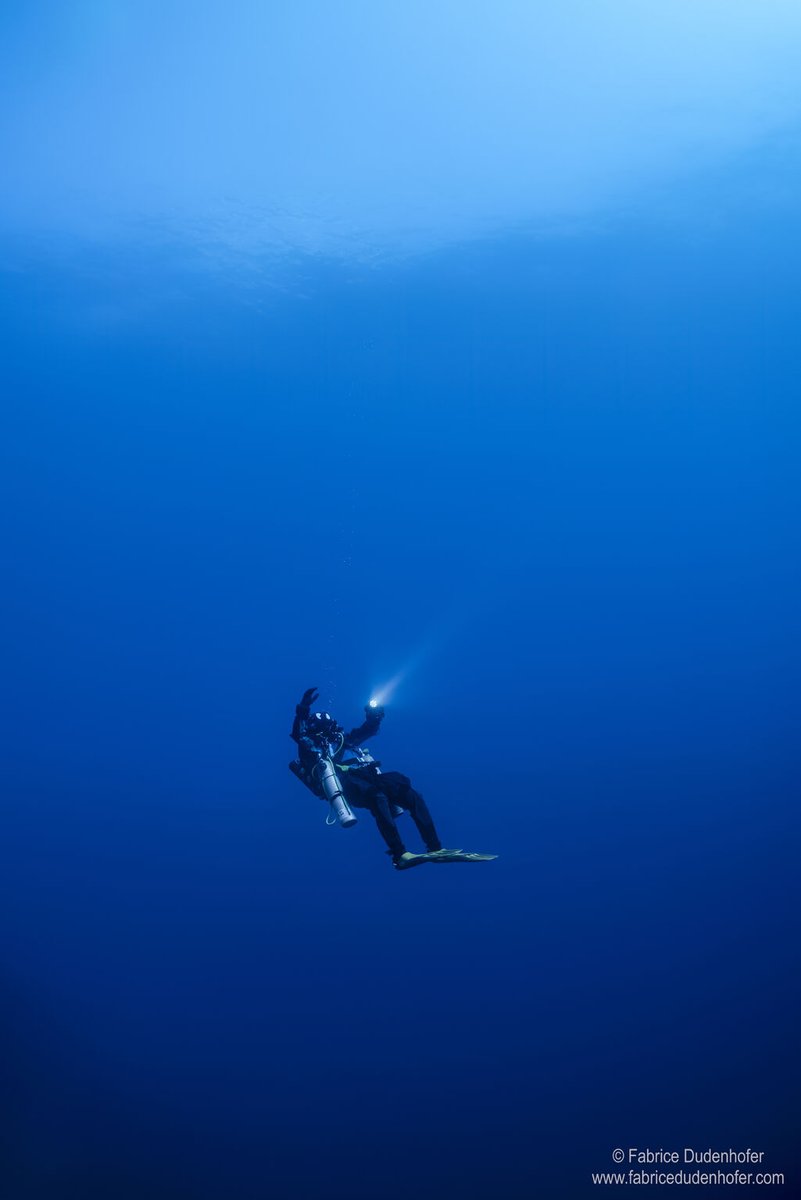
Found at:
(365, 786)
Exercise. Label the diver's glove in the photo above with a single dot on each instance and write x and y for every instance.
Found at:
(374, 713)
(307, 700)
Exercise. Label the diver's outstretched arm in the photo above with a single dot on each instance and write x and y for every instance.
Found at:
(369, 727)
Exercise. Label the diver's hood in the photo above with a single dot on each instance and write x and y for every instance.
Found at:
(323, 722)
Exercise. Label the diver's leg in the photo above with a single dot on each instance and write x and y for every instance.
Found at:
(404, 794)
(386, 825)
(418, 810)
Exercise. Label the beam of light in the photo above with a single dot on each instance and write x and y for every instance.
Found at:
(383, 694)
(446, 631)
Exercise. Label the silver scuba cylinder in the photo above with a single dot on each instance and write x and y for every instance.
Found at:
(333, 794)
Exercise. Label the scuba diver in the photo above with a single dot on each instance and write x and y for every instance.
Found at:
(335, 766)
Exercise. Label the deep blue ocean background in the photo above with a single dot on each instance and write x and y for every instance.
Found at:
(549, 482)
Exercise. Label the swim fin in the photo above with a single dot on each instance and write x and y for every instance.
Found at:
(458, 856)
(408, 860)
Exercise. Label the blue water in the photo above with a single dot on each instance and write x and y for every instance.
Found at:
(548, 483)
